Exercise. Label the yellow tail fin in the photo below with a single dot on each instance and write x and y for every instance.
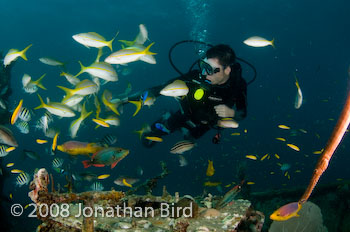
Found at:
(147, 52)
(82, 69)
(273, 43)
(109, 43)
(23, 52)
(69, 92)
(84, 114)
(138, 105)
(42, 103)
(38, 82)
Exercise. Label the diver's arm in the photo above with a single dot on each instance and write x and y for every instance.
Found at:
(155, 91)
(241, 103)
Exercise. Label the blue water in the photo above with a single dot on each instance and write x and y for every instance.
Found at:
(312, 39)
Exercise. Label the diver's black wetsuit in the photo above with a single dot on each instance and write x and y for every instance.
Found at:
(199, 116)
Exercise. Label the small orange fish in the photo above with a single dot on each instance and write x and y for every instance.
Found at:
(277, 156)
(41, 141)
(262, 158)
(16, 112)
(252, 157)
(102, 177)
(281, 139)
(154, 138)
(294, 147)
(250, 183)
(284, 127)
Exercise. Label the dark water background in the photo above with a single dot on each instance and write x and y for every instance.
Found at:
(312, 39)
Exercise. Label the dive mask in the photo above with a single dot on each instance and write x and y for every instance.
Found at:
(206, 68)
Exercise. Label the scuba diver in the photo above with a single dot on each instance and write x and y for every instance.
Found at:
(217, 91)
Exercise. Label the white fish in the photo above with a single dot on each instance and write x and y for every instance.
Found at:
(70, 78)
(78, 107)
(26, 79)
(13, 54)
(72, 100)
(56, 108)
(92, 39)
(3, 104)
(227, 123)
(83, 88)
(146, 58)
(257, 41)
(126, 55)
(75, 125)
(30, 86)
(51, 132)
(112, 120)
(101, 70)
(175, 89)
(299, 97)
(50, 61)
(182, 160)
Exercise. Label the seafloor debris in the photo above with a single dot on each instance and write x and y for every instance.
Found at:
(115, 211)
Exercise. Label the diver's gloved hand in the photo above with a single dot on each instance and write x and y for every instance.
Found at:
(223, 111)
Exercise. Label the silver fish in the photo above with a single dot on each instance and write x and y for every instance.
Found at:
(6, 137)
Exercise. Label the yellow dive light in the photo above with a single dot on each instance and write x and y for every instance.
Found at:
(198, 95)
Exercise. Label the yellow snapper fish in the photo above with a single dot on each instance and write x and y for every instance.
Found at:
(30, 86)
(13, 54)
(227, 123)
(83, 88)
(257, 41)
(55, 108)
(72, 100)
(51, 61)
(106, 99)
(175, 89)
(299, 97)
(125, 56)
(210, 169)
(100, 122)
(75, 125)
(70, 78)
(112, 120)
(140, 39)
(92, 39)
(146, 58)
(101, 70)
